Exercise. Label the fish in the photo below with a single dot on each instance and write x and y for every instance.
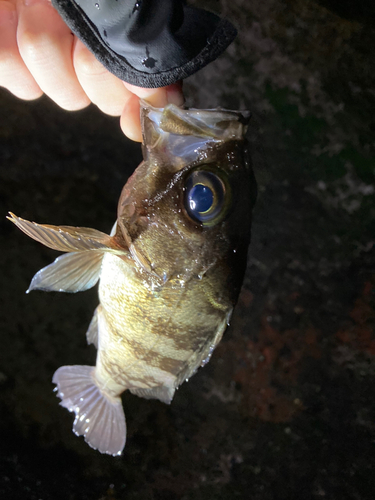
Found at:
(169, 272)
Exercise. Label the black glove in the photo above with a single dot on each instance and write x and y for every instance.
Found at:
(149, 43)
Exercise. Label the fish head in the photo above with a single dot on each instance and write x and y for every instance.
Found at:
(186, 210)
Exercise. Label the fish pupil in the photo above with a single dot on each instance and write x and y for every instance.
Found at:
(204, 197)
(200, 198)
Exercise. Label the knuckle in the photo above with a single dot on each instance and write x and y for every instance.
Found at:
(86, 65)
(31, 48)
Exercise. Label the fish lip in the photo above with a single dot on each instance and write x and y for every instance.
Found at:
(196, 120)
(245, 113)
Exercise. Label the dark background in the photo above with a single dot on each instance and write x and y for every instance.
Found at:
(286, 407)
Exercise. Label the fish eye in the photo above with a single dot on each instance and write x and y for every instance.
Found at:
(205, 194)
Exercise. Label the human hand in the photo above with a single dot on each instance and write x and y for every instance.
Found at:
(39, 54)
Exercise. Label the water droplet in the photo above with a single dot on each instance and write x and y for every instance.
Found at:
(97, 6)
(149, 62)
(207, 359)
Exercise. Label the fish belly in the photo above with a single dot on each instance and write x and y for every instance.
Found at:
(148, 338)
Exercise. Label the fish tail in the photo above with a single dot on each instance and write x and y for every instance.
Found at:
(99, 416)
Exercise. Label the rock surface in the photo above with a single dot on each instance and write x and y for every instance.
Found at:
(285, 409)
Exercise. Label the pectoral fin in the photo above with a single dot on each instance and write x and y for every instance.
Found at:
(64, 238)
(77, 270)
(71, 272)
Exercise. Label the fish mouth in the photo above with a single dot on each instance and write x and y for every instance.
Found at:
(183, 134)
(218, 124)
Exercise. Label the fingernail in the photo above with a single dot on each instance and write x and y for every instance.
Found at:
(175, 95)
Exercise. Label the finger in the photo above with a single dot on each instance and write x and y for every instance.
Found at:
(45, 44)
(159, 97)
(14, 74)
(155, 97)
(103, 89)
(130, 120)
(175, 94)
